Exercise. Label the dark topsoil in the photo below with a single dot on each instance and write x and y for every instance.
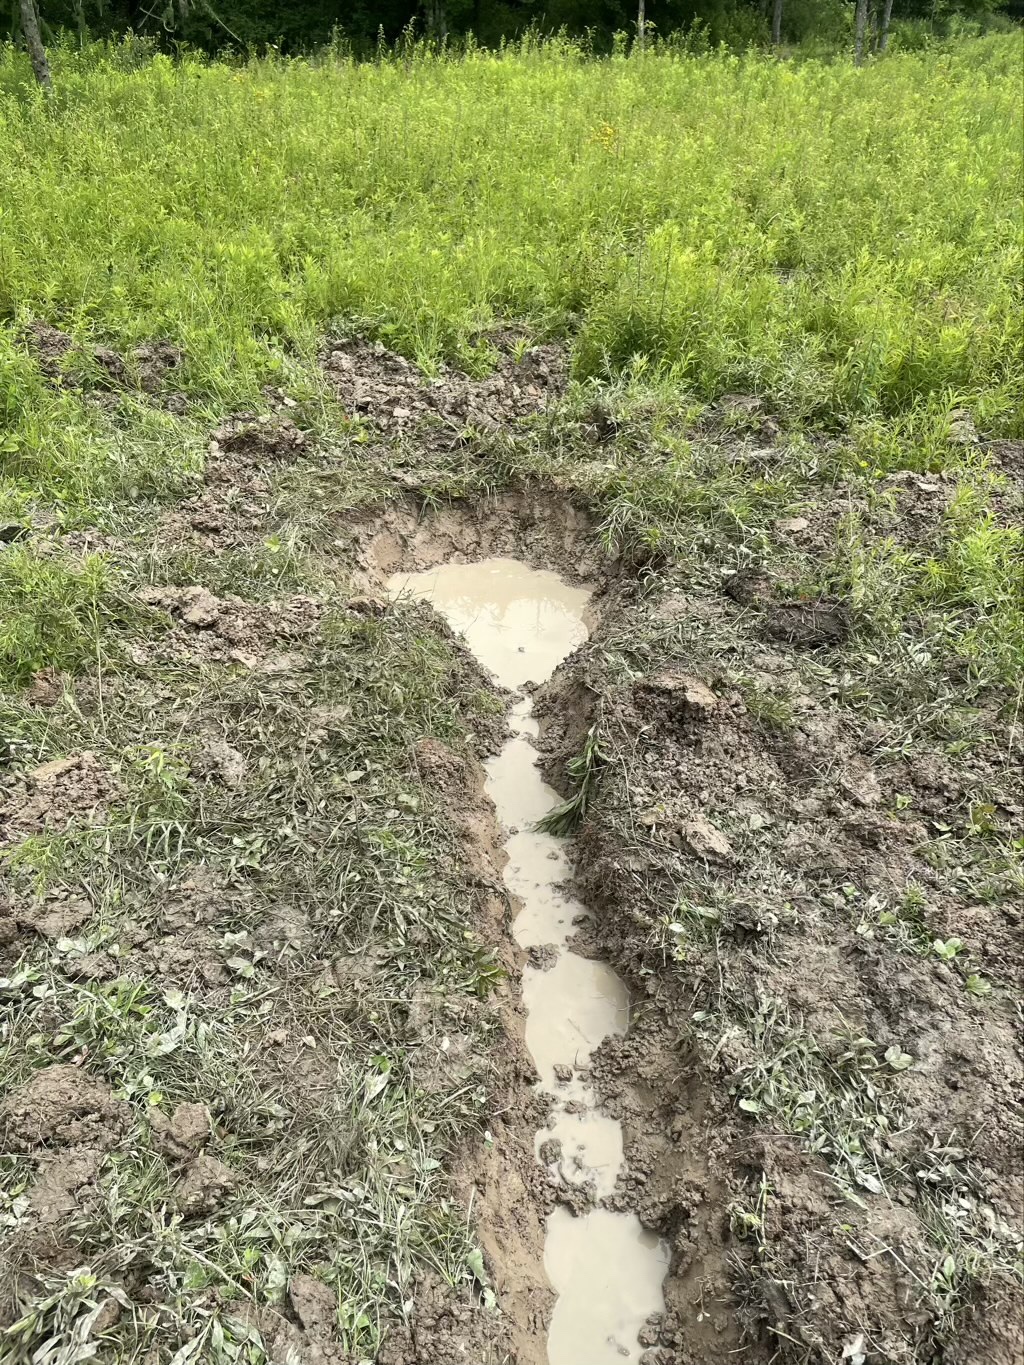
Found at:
(822, 1120)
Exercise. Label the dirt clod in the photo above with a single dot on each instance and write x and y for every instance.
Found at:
(195, 605)
(60, 1106)
(45, 688)
(63, 1183)
(186, 1131)
(808, 627)
(76, 787)
(56, 919)
(550, 1151)
(860, 783)
(204, 1184)
(542, 956)
(314, 1304)
(57, 767)
(258, 439)
(111, 365)
(219, 761)
(155, 361)
(704, 840)
(49, 345)
(685, 696)
(367, 606)
(650, 1332)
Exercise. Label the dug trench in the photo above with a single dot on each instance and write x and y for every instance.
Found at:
(799, 1135)
(575, 1275)
(606, 1272)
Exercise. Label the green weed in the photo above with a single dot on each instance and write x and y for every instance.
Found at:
(841, 261)
(564, 819)
(55, 613)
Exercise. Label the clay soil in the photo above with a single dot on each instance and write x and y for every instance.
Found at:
(262, 991)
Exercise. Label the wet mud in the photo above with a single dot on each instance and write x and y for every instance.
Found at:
(605, 1268)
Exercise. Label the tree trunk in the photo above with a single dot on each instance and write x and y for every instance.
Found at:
(777, 24)
(641, 25)
(859, 26)
(437, 20)
(34, 43)
(883, 37)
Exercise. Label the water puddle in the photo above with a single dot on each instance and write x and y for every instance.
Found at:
(605, 1269)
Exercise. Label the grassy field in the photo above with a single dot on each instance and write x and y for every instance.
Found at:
(843, 243)
(846, 241)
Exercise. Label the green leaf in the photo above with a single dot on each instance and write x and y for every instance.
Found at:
(375, 1081)
(898, 1059)
(475, 1261)
(948, 948)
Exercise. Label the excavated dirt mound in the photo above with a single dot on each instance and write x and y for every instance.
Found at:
(395, 398)
(59, 1106)
(148, 367)
(820, 1105)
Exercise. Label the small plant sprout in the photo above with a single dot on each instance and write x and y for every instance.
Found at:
(946, 949)
(977, 985)
(982, 817)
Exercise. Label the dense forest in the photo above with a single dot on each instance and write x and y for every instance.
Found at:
(218, 24)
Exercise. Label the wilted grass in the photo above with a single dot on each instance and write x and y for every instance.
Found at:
(322, 1099)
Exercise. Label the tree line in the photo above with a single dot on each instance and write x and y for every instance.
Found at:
(302, 25)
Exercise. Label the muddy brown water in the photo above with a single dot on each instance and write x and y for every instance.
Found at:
(605, 1269)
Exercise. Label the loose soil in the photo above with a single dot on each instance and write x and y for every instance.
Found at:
(741, 876)
(814, 906)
